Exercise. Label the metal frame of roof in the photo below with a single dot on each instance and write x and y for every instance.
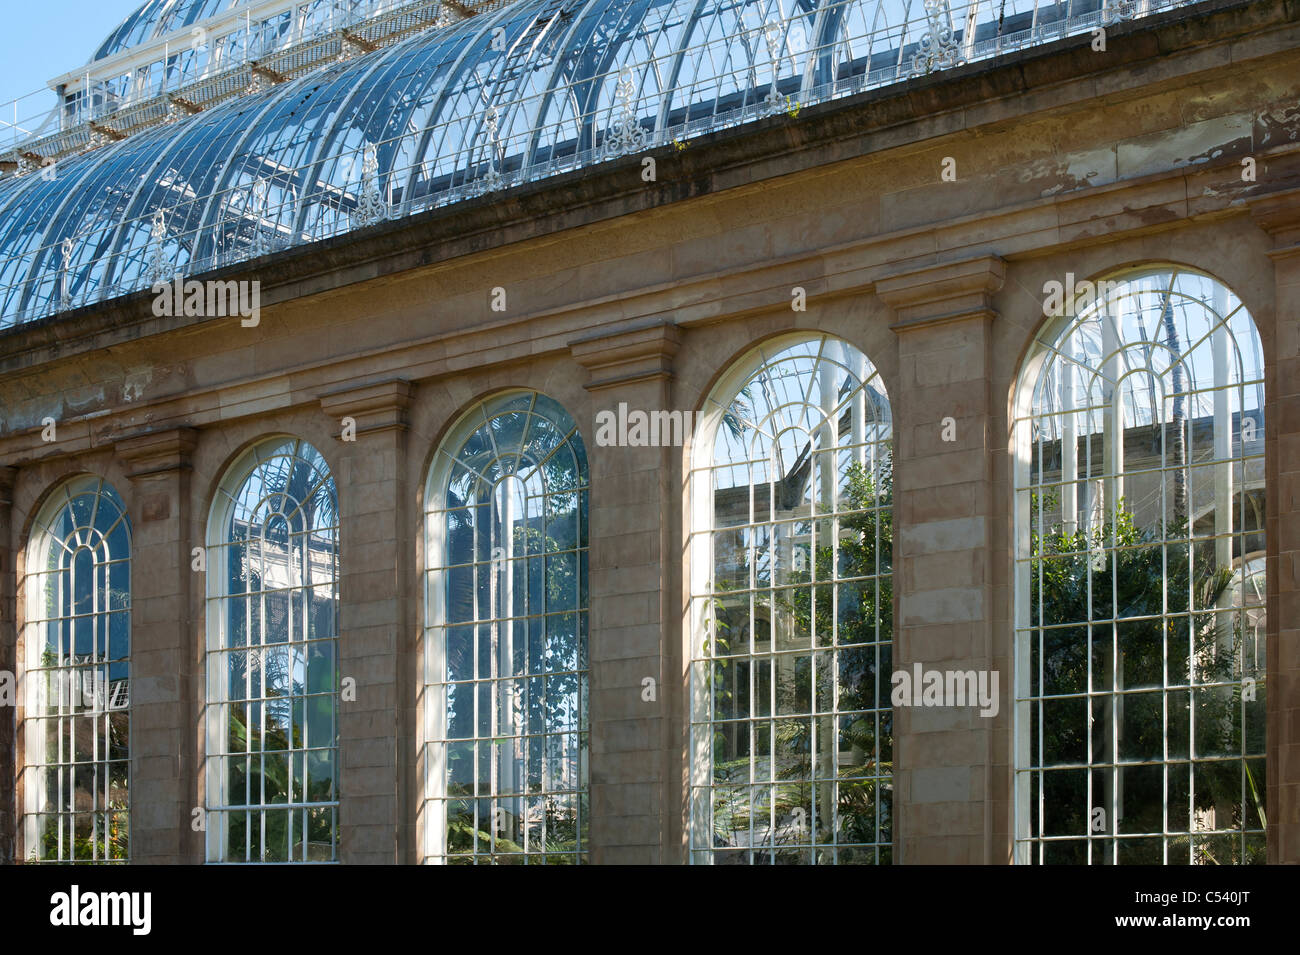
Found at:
(517, 94)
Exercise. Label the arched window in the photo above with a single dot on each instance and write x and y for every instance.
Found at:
(76, 726)
(272, 674)
(792, 611)
(506, 640)
(1139, 588)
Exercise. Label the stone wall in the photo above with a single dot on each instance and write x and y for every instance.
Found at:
(1066, 161)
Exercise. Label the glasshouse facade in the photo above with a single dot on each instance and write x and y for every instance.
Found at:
(655, 431)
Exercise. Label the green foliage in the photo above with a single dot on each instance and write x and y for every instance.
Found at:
(99, 837)
(836, 600)
(273, 751)
(1137, 604)
(550, 650)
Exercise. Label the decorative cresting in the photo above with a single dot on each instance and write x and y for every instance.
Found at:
(491, 180)
(272, 664)
(1139, 587)
(626, 136)
(371, 207)
(791, 613)
(938, 48)
(158, 268)
(573, 84)
(505, 695)
(76, 724)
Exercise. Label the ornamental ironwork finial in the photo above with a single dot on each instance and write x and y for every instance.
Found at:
(65, 290)
(261, 192)
(157, 266)
(938, 48)
(371, 207)
(774, 102)
(1113, 11)
(492, 179)
(626, 136)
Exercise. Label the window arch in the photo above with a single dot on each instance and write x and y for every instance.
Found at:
(1139, 588)
(505, 690)
(792, 610)
(272, 661)
(76, 726)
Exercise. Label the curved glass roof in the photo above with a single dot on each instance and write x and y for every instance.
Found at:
(156, 19)
(524, 92)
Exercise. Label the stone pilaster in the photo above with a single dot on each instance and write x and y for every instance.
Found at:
(8, 665)
(164, 651)
(943, 522)
(378, 639)
(635, 785)
(1279, 215)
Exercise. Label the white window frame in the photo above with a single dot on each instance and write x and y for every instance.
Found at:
(37, 578)
(702, 535)
(216, 706)
(1028, 845)
(433, 687)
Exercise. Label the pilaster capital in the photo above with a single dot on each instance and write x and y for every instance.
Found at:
(640, 353)
(1278, 214)
(951, 292)
(381, 406)
(157, 452)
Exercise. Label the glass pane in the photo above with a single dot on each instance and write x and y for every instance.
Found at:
(1144, 543)
(507, 550)
(807, 436)
(281, 536)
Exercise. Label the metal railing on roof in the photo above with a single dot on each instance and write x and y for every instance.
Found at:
(199, 69)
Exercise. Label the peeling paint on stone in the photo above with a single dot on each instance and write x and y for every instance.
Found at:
(1188, 145)
(136, 382)
(1277, 126)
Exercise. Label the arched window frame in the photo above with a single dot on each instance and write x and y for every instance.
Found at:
(434, 691)
(875, 440)
(84, 515)
(310, 662)
(1236, 365)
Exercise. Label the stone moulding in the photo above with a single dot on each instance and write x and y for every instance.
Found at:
(640, 353)
(377, 407)
(936, 294)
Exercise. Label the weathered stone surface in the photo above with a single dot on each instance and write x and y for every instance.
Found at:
(621, 291)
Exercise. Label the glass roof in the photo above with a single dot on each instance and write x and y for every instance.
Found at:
(518, 94)
(156, 19)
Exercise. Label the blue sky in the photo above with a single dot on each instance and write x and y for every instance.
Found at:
(41, 40)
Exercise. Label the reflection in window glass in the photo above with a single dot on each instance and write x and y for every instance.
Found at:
(76, 726)
(272, 721)
(1140, 584)
(506, 693)
(792, 603)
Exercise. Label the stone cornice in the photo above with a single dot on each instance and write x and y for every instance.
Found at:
(953, 291)
(640, 353)
(1278, 214)
(157, 452)
(377, 407)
